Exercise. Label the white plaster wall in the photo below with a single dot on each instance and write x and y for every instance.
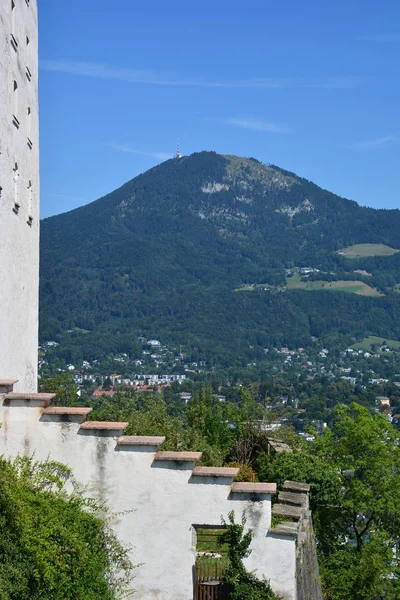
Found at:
(19, 241)
(164, 501)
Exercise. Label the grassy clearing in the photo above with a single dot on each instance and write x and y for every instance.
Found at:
(374, 340)
(363, 250)
(209, 540)
(296, 277)
(352, 287)
(246, 287)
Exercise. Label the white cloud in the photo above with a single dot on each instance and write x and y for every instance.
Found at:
(378, 142)
(255, 124)
(104, 71)
(127, 148)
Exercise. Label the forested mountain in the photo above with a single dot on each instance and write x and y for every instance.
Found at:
(168, 255)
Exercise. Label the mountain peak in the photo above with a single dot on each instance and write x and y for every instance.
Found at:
(167, 252)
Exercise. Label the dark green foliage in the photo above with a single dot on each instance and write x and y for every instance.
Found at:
(63, 386)
(246, 586)
(354, 472)
(302, 466)
(161, 257)
(54, 545)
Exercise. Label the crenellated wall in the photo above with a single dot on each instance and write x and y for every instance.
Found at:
(159, 497)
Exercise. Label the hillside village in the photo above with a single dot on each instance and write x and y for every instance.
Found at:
(371, 368)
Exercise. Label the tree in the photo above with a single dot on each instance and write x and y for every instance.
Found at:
(54, 545)
(246, 586)
(365, 449)
(61, 384)
(354, 472)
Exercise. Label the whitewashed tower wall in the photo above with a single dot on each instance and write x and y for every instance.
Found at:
(19, 201)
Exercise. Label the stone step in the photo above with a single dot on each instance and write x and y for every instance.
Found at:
(34, 399)
(285, 528)
(285, 510)
(292, 498)
(296, 486)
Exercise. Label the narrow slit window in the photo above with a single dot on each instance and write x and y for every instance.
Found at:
(28, 123)
(30, 198)
(28, 74)
(14, 42)
(15, 104)
(16, 177)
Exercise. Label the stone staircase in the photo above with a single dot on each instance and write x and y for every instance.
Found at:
(292, 506)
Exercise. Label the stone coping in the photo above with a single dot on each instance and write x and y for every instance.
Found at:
(244, 487)
(66, 410)
(215, 471)
(178, 456)
(7, 382)
(141, 440)
(36, 396)
(296, 486)
(108, 425)
(286, 510)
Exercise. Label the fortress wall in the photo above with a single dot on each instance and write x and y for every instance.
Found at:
(158, 497)
(19, 197)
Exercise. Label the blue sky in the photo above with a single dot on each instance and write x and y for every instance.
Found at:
(311, 86)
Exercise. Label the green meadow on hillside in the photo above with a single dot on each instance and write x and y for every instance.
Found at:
(374, 340)
(353, 287)
(363, 250)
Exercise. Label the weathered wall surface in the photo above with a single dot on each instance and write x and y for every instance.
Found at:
(308, 579)
(19, 200)
(158, 501)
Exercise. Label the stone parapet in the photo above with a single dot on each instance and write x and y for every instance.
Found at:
(158, 497)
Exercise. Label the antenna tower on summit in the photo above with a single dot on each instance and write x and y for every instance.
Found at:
(178, 150)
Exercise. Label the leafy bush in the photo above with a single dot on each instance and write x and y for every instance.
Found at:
(246, 586)
(246, 473)
(53, 544)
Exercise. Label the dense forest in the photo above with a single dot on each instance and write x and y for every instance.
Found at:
(165, 255)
